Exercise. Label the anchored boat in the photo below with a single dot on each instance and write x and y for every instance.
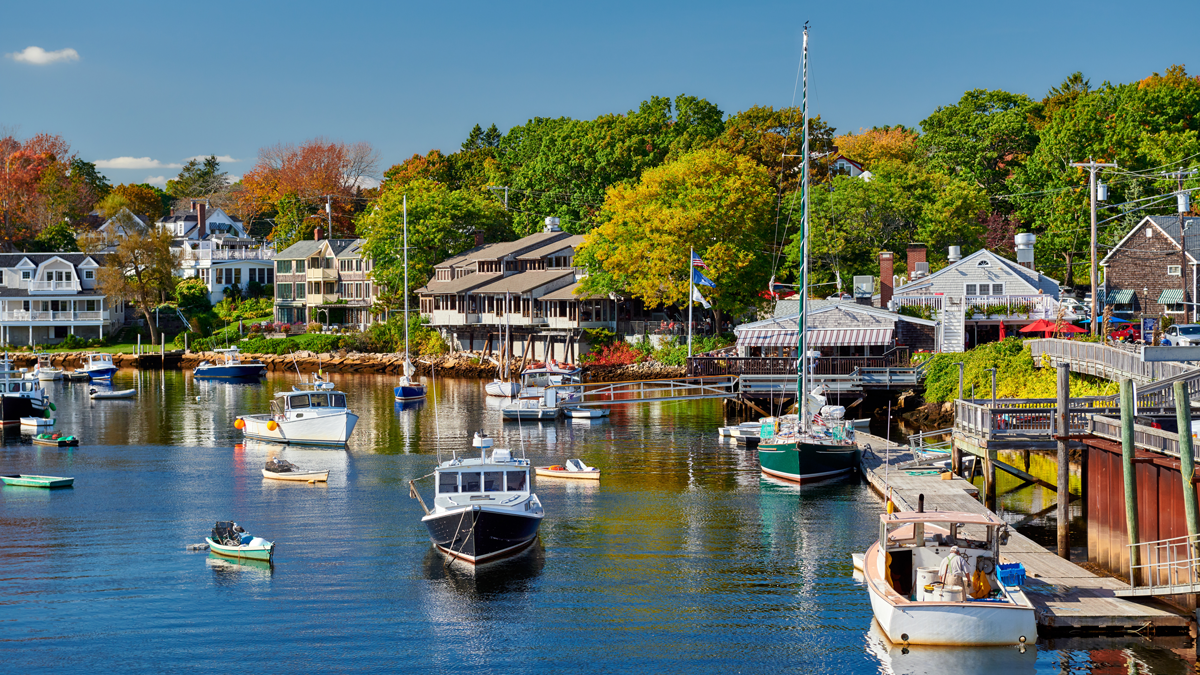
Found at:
(915, 605)
(315, 416)
(230, 540)
(56, 439)
(574, 468)
(484, 509)
(20, 397)
(229, 367)
(279, 469)
(25, 480)
(407, 389)
(98, 366)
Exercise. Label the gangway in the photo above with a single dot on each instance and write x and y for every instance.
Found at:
(1168, 567)
(646, 391)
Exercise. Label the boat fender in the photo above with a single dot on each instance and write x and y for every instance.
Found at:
(239, 424)
(272, 425)
(51, 406)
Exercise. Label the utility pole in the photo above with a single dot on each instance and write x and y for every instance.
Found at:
(1093, 166)
(1182, 202)
(329, 216)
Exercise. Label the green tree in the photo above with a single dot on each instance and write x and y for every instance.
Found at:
(198, 179)
(292, 220)
(983, 138)
(57, 237)
(774, 138)
(141, 271)
(712, 201)
(441, 224)
(192, 294)
(95, 181)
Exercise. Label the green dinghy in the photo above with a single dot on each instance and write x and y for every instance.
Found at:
(38, 481)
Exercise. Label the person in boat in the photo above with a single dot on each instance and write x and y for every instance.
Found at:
(953, 570)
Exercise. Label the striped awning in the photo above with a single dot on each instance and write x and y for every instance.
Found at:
(837, 337)
(1171, 296)
(1119, 297)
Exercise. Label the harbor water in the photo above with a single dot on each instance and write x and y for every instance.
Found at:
(682, 559)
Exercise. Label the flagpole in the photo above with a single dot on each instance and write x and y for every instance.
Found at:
(691, 295)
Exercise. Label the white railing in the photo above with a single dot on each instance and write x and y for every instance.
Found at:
(932, 301)
(48, 286)
(1165, 566)
(35, 316)
(976, 307)
(229, 254)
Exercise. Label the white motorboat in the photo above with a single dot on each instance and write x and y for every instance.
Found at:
(502, 388)
(279, 469)
(35, 422)
(728, 432)
(573, 469)
(98, 394)
(538, 376)
(529, 409)
(580, 412)
(98, 366)
(314, 416)
(484, 509)
(44, 370)
(914, 607)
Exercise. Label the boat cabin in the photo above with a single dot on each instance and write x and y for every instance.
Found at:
(302, 400)
(918, 541)
(501, 478)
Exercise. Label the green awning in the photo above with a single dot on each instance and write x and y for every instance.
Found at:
(1171, 296)
(1119, 297)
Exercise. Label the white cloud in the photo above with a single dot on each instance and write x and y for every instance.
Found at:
(156, 180)
(40, 57)
(134, 163)
(366, 182)
(224, 159)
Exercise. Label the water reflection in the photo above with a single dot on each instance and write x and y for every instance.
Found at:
(488, 581)
(234, 572)
(927, 660)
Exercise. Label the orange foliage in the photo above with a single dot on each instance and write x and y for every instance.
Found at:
(22, 166)
(1176, 77)
(886, 143)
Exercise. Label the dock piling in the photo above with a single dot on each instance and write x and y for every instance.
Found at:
(1187, 457)
(1129, 472)
(1064, 467)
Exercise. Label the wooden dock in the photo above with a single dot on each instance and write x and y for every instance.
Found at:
(1067, 597)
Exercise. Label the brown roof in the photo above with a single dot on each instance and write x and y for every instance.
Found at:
(554, 247)
(470, 255)
(520, 246)
(523, 282)
(459, 285)
(568, 293)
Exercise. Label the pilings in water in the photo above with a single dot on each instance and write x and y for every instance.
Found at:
(1128, 471)
(1063, 483)
(1187, 457)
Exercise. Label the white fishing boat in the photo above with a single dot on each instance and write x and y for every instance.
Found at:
(279, 469)
(98, 394)
(44, 370)
(529, 409)
(35, 422)
(20, 397)
(308, 416)
(483, 509)
(99, 366)
(914, 606)
(581, 412)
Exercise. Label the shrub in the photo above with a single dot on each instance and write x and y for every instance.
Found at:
(598, 337)
(256, 328)
(314, 327)
(193, 338)
(192, 295)
(614, 354)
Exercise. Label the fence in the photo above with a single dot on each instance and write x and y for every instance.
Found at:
(1168, 566)
(1027, 419)
(698, 366)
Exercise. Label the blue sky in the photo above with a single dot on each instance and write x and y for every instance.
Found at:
(168, 81)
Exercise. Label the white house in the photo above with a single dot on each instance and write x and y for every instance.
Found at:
(224, 261)
(47, 296)
(201, 222)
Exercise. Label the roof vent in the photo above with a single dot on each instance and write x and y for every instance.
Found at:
(1025, 242)
(552, 224)
(955, 254)
(920, 270)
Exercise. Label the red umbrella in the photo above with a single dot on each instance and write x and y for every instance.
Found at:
(1002, 335)
(1037, 326)
(1068, 328)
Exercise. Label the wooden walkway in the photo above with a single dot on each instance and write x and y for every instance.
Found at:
(1066, 596)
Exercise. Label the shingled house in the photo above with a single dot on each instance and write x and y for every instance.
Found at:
(1148, 274)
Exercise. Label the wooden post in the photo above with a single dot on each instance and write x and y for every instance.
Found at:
(990, 481)
(1187, 457)
(1064, 461)
(955, 457)
(1129, 472)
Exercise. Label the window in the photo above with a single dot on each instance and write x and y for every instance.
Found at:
(206, 275)
(68, 276)
(300, 294)
(26, 274)
(470, 481)
(330, 287)
(298, 402)
(319, 400)
(1177, 308)
(270, 276)
(89, 274)
(516, 481)
(493, 481)
(337, 400)
(237, 275)
(89, 306)
(58, 276)
(220, 275)
(283, 266)
(1174, 270)
(285, 291)
(448, 482)
(971, 289)
(358, 290)
(299, 267)
(329, 263)
(984, 263)
(358, 265)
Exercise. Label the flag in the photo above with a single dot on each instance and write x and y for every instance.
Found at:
(699, 279)
(696, 297)
(697, 262)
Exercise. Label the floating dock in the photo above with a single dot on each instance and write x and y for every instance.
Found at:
(1067, 597)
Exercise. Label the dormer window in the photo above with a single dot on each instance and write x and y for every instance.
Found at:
(984, 263)
(89, 274)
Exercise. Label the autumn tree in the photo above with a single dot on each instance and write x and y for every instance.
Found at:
(713, 201)
(441, 224)
(142, 200)
(895, 143)
(141, 271)
(42, 183)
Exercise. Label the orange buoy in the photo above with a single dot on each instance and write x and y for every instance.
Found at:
(239, 424)
(272, 426)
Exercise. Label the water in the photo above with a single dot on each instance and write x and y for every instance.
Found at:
(681, 559)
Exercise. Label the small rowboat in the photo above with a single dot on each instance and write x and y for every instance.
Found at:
(38, 481)
(252, 551)
(57, 440)
(120, 393)
(579, 412)
(574, 468)
(77, 375)
(278, 469)
(37, 421)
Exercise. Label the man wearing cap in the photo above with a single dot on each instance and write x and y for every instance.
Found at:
(953, 570)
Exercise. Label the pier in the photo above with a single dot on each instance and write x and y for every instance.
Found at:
(1067, 597)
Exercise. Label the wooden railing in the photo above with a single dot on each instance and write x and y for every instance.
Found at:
(1107, 361)
(1031, 419)
(701, 366)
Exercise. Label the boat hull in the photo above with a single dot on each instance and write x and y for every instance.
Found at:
(502, 389)
(333, 429)
(122, 393)
(476, 534)
(38, 481)
(239, 371)
(547, 472)
(14, 407)
(802, 462)
(300, 476)
(586, 413)
(946, 623)
(57, 442)
(409, 392)
(529, 413)
(104, 373)
(264, 553)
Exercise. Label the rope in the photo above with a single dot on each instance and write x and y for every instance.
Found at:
(470, 533)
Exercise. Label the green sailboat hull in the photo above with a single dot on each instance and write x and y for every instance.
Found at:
(803, 462)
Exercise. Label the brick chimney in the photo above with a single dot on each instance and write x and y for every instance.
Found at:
(479, 237)
(202, 219)
(916, 254)
(317, 234)
(886, 278)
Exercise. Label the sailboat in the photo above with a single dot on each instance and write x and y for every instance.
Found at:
(502, 385)
(822, 444)
(407, 390)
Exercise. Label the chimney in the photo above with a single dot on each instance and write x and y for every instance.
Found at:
(1025, 242)
(317, 234)
(885, 278)
(916, 254)
(201, 219)
(478, 237)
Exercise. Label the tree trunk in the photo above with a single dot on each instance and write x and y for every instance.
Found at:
(716, 321)
(150, 322)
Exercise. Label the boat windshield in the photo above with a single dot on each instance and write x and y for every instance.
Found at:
(493, 481)
(470, 481)
(298, 401)
(448, 482)
(517, 480)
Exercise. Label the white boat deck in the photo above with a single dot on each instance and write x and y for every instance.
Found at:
(1066, 596)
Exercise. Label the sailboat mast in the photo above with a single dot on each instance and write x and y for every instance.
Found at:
(803, 319)
(406, 282)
